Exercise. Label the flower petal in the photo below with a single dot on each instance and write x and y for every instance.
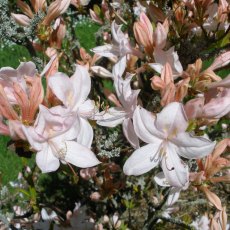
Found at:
(176, 172)
(143, 159)
(143, 122)
(112, 117)
(119, 68)
(157, 67)
(27, 69)
(105, 51)
(35, 140)
(101, 72)
(61, 91)
(87, 109)
(79, 155)
(172, 119)
(171, 57)
(161, 180)
(193, 147)
(82, 84)
(212, 197)
(174, 195)
(85, 134)
(46, 161)
(129, 133)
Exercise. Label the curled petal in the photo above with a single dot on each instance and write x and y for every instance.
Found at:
(223, 83)
(160, 36)
(157, 67)
(143, 160)
(170, 56)
(55, 9)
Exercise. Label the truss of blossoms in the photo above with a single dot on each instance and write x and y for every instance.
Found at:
(144, 142)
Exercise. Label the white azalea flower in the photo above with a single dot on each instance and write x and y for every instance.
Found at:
(167, 139)
(170, 56)
(128, 99)
(73, 93)
(53, 137)
(120, 44)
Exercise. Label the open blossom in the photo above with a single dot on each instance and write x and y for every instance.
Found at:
(73, 93)
(120, 44)
(53, 137)
(123, 113)
(162, 57)
(167, 140)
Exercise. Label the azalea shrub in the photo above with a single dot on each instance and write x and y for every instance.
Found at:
(127, 129)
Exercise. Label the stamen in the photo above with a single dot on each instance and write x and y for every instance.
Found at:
(158, 155)
(71, 168)
(165, 158)
(59, 153)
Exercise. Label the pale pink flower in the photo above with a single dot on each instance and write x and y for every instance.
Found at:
(128, 101)
(73, 94)
(53, 137)
(170, 56)
(213, 105)
(167, 139)
(201, 223)
(120, 44)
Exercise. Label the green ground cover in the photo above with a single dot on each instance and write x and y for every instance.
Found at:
(85, 33)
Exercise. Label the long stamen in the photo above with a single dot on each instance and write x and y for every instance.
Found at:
(70, 166)
(59, 153)
(158, 155)
(165, 158)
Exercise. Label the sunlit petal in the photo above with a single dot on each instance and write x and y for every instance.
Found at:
(143, 122)
(79, 155)
(176, 172)
(143, 159)
(46, 161)
(129, 133)
(193, 147)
